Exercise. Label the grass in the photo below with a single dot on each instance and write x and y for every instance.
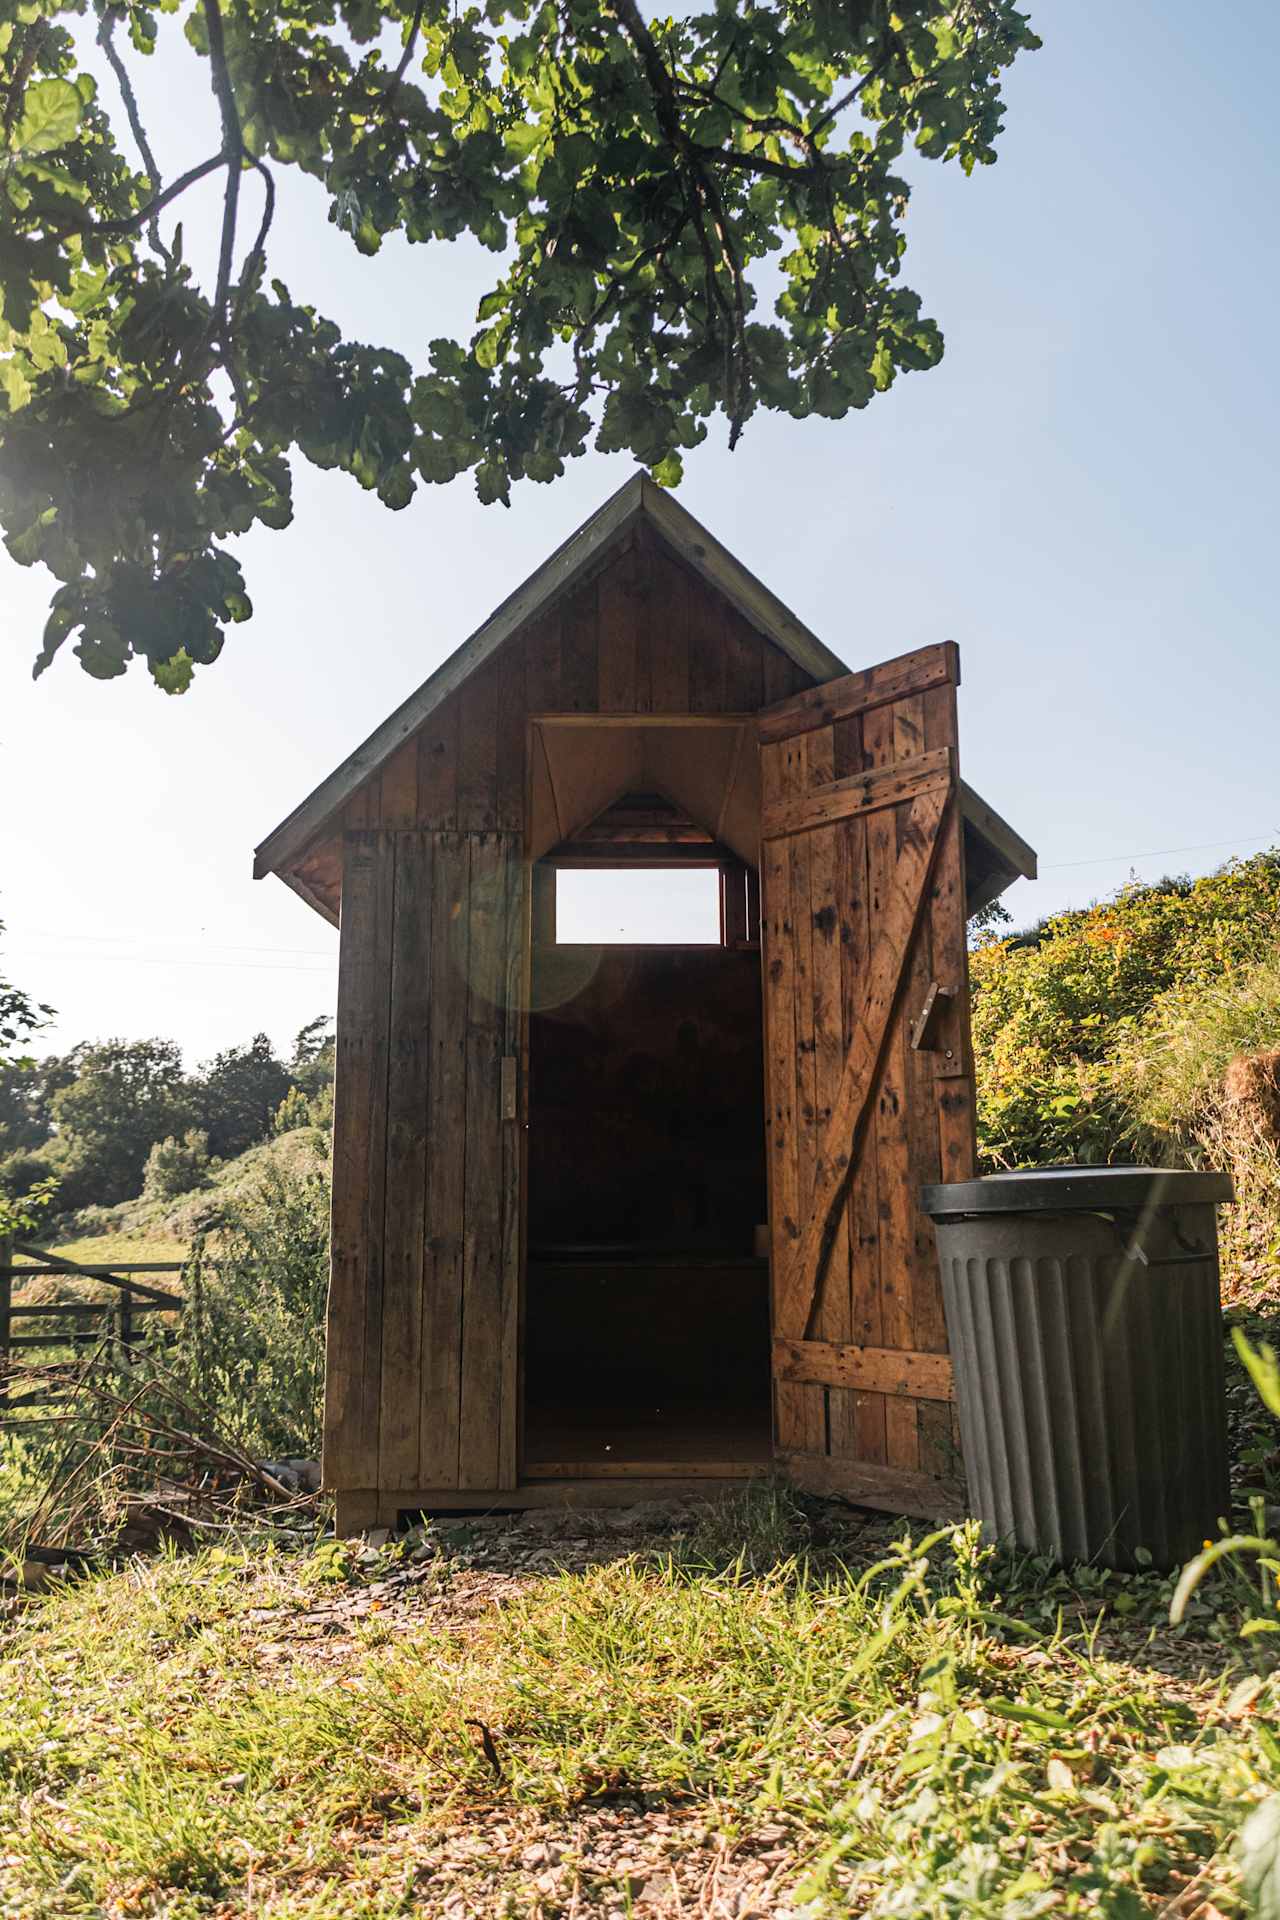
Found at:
(937, 1734)
(99, 1250)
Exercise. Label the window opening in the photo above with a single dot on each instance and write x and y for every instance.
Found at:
(637, 906)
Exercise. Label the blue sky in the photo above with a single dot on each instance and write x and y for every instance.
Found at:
(1083, 495)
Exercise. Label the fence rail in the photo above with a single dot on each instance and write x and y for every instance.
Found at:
(86, 1322)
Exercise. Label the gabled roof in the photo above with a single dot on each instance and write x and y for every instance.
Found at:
(639, 499)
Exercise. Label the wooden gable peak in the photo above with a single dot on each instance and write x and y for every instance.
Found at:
(640, 498)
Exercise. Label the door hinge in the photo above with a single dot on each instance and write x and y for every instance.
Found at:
(507, 1092)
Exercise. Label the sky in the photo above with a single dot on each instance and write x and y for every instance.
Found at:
(1083, 495)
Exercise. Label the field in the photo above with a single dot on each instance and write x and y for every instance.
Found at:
(100, 1250)
(765, 1711)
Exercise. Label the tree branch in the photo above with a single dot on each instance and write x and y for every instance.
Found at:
(756, 163)
(106, 31)
(409, 45)
(233, 152)
(117, 229)
(707, 194)
(257, 251)
(660, 83)
(837, 107)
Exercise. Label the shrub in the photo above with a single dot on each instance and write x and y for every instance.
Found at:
(175, 1167)
(1145, 1027)
(293, 1112)
(21, 1172)
(28, 1189)
(251, 1340)
(1198, 1077)
(1052, 1010)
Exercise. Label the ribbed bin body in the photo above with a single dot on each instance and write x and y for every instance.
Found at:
(1087, 1346)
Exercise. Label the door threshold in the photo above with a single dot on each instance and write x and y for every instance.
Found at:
(387, 1508)
(643, 1470)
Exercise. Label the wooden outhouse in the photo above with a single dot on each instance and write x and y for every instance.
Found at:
(609, 1220)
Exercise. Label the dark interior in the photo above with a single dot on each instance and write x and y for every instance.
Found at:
(646, 1332)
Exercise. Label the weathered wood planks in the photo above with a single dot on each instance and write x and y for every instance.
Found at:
(872, 829)
(832, 800)
(354, 1331)
(866, 1369)
(832, 700)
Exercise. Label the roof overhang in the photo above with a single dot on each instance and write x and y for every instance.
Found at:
(994, 855)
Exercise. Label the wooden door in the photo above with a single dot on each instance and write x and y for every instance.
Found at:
(421, 1360)
(868, 1073)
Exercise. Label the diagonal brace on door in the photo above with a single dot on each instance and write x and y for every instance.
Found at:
(892, 943)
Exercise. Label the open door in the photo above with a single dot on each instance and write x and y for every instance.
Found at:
(421, 1385)
(868, 1073)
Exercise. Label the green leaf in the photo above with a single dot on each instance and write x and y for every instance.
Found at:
(1195, 1570)
(1030, 1716)
(489, 345)
(175, 674)
(50, 116)
(521, 139)
(1264, 1369)
(1260, 1859)
(16, 385)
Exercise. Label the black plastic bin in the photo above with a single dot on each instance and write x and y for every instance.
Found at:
(1085, 1322)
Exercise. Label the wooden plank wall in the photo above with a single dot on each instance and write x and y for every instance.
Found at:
(423, 1318)
(426, 1215)
(827, 890)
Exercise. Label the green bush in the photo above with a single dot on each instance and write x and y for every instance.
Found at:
(251, 1339)
(1200, 1077)
(21, 1171)
(1172, 1067)
(1051, 1012)
(1122, 1031)
(293, 1112)
(175, 1167)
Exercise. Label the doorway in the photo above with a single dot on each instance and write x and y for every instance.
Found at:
(646, 1317)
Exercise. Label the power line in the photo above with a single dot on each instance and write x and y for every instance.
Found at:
(1159, 853)
(157, 960)
(217, 946)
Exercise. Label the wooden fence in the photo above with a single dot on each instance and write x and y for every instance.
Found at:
(76, 1323)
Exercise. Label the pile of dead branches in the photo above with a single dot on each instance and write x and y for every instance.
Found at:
(124, 1459)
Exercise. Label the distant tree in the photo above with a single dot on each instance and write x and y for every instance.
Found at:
(22, 1129)
(20, 1016)
(311, 1067)
(237, 1095)
(990, 919)
(126, 1095)
(293, 1112)
(175, 1167)
(27, 1088)
(690, 216)
(26, 1185)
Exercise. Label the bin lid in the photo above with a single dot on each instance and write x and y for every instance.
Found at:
(1075, 1189)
